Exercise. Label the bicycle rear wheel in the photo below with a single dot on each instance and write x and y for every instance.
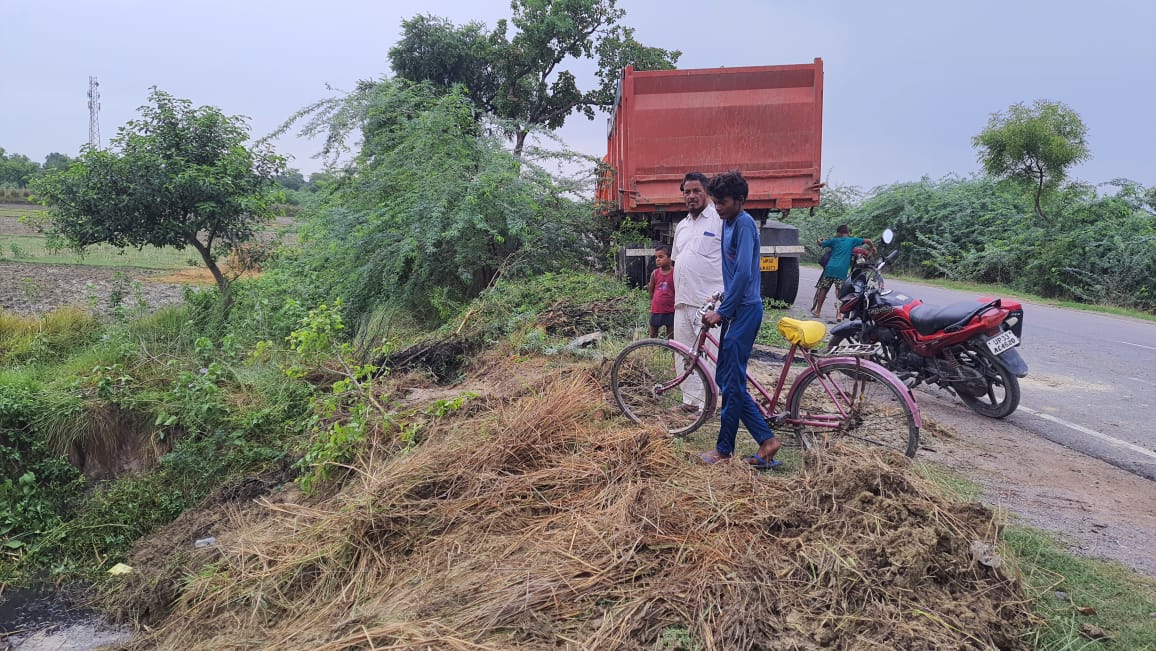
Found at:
(845, 400)
(642, 382)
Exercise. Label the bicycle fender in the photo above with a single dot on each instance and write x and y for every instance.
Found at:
(904, 391)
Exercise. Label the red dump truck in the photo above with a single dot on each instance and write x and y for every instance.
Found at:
(766, 121)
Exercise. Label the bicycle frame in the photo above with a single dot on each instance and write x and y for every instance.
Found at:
(838, 397)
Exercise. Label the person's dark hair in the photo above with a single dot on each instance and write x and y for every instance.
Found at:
(665, 248)
(693, 176)
(843, 230)
(728, 185)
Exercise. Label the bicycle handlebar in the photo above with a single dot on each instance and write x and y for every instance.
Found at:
(709, 306)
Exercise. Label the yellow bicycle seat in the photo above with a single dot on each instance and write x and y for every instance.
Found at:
(807, 334)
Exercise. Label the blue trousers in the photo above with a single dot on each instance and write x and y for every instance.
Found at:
(734, 351)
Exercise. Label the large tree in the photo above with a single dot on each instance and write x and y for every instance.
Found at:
(522, 78)
(179, 176)
(16, 170)
(1035, 145)
(433, 210)
(56, 161)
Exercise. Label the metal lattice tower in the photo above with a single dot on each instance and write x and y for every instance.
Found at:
(93, 113)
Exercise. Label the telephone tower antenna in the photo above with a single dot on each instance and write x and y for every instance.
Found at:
(93, 113)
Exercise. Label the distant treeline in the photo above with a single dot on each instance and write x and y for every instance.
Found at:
(1095, 244)
(17, 170)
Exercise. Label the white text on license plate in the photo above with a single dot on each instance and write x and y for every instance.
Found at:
(1002, 342)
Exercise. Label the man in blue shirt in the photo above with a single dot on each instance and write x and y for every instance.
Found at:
(741, 314)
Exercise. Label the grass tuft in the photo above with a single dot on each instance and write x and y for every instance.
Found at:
(1064, 587)
(49, 336)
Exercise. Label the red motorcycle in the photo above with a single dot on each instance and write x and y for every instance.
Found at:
(967, 348)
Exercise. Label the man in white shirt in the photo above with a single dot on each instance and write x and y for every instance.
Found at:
(697, 255)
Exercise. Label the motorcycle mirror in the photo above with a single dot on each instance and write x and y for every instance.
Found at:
(888, 236)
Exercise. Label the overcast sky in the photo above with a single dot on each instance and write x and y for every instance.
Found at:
(907, 83)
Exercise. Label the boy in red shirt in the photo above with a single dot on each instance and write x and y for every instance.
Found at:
(662, 292)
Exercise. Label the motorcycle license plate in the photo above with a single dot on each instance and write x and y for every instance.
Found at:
(768, 263)
(1002, 342)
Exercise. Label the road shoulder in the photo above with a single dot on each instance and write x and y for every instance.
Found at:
(1098, 509)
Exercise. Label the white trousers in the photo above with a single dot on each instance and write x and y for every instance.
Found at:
(686, 328)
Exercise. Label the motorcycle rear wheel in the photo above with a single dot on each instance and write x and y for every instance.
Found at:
(1001, 394)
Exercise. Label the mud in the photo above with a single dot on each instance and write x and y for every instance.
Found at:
(35, 620)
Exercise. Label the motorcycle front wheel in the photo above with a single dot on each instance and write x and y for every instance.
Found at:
(997, 395)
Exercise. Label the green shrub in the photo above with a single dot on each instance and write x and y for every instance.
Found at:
(37, 484)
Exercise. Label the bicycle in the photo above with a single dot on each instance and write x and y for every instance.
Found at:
(840, 393)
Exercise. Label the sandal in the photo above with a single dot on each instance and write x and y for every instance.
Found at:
(712, 457)
(759, 463)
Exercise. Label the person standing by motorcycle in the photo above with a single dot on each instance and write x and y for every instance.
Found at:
(837, 267)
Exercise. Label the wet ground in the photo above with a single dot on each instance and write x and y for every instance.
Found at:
(43, 620)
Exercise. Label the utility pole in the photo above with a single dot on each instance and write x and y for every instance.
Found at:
(93, 113)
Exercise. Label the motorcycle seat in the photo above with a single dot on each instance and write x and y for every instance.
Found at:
(929, 319)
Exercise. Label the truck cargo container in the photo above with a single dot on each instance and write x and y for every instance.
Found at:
(765, 121)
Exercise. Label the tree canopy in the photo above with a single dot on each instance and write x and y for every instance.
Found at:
(1033, 145)
(433, 210)
(16, 170)
(57, 161)
(290, 179)
(522, 78)
(178, 176)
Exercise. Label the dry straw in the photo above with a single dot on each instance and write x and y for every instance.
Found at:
(544, 524)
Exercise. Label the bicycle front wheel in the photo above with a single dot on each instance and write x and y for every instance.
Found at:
(846, 400)
(646, 386)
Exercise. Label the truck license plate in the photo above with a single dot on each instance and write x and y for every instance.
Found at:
(768, 263)
(1002, 342)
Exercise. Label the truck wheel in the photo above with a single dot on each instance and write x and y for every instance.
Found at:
(768, 284)
(787, 289)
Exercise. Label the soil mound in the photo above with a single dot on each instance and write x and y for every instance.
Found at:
(547, 523)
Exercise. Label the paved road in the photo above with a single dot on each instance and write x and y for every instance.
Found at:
(1092, 378)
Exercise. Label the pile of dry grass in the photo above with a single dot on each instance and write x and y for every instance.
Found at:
(544, 525)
